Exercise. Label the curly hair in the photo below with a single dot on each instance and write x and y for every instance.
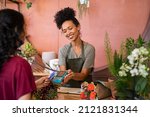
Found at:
(11, 27)
(64, 15)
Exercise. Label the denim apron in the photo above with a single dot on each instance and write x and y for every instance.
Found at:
(75, 65)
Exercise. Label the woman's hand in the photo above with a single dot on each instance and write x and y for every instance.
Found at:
(69, 76)
(42, 82)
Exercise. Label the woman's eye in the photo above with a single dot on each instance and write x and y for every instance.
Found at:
(64, 31)
(70, 28)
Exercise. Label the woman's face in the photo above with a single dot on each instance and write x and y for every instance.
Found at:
(24, 33)
(70, 30)
(22, 36)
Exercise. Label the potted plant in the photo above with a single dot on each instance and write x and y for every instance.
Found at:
(46, 93)
(27, 2)
(131, 68)
(83, 5)
(27, 51)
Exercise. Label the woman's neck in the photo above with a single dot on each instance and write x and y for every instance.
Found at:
(77, 46)
(77, 43)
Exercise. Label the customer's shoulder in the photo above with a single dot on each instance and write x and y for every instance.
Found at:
(18, 59)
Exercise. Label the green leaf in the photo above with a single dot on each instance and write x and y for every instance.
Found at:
(117, 62)
(140, 85)
(29, 4)
(130, 45)
(140, 42)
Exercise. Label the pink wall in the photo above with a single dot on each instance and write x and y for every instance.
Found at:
(120, 18)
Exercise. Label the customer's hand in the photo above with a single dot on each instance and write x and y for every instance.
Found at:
(42, 82)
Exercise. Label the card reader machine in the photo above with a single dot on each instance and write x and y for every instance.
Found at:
(57, 77)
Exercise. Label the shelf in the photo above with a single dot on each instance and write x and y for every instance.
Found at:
(15, 2)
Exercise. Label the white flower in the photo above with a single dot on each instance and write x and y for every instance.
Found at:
(143, 59)
(134, 72)
(128, 67)
(123, 66)
(144, 51)
(136, 65)
(131, 59)
(142, 66)
(143, 70)
(135, 53)
(144, 73)
(122, 73)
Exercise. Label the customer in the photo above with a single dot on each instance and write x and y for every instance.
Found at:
(78, 56)
(16, 78)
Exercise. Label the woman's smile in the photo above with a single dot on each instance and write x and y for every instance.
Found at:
(70, 36)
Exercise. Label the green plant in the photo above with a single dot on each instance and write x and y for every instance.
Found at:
(27, 51)
(28, 4)
(46, 93)
(132, 70)
(114, 59)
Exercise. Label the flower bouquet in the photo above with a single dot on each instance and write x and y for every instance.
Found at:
(88, 91)
(131, 68)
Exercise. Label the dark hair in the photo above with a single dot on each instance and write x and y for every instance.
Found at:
(64, 15)
(11, 27)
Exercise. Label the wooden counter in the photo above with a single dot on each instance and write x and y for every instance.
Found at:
(65, 96)
(65, 93)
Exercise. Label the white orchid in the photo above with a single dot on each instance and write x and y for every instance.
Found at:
(131, 59)
(143, 51)
(134, 72)
(143, 70)
(122, 73)
(135, 53)
(136, 64)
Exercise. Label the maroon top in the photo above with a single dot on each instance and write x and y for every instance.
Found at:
(16, 79)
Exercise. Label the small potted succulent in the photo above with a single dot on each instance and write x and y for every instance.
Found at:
(27, 2)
